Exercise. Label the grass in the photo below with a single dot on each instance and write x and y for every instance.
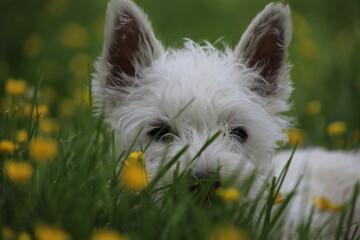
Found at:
(75, 191)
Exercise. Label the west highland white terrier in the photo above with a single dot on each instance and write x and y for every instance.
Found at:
(183, 97)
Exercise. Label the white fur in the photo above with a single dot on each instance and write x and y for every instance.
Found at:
(199, 91)
(328, 174)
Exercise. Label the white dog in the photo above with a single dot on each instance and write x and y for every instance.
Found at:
(183, 97)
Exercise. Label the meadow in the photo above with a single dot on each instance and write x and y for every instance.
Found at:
(57, 164)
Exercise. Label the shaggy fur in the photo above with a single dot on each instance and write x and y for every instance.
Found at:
(192, 93)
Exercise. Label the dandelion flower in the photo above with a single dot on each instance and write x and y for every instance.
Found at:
(66, 107)
(47, 232)
(15, 88)
(57, 7)
(48, 126)
(133, 175)
(135, 158)
(300, 24)
(8, 233)
(229, 195)
(18, 172)
(7, 146)
(43, 150)
(307, 49)
(21, 135)
(313, 108)
(106, 234)
(74, 35)
(229, 233)
(82, 97)
(78, 64)
(336, 128)
(295, 136)
(357, 136)
(325, 204)
(134, 178)
(24, 236)
(50, 95)
(42, 110)
(33, 45)
(278, 198)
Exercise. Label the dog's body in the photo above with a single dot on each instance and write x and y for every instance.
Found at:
(329, 175)
(183, 97)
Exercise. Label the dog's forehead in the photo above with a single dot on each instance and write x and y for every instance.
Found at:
(196, 65)
(202, 84)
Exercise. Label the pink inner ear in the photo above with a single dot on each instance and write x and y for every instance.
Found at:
(267, 54)
(124, 50)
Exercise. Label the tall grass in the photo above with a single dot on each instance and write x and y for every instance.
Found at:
(78, 192)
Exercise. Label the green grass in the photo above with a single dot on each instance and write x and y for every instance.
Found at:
(79, 190)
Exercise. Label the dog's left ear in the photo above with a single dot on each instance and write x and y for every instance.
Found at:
(263, 48)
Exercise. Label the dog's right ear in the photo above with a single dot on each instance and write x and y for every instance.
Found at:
(129, 47)
(264, 49)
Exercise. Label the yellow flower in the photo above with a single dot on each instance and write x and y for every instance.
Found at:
(336, 128)
(7, 146)
(228, 194)
(24, 236)
(79, 64)
(133, 175)
(18, 172)
(106, 234)
(135, 158)
(49, 94)
(42, 109)
(66, 108)
(47, 232)
(307, 49)
(32, 45)
(57, 7)
(74, 35)
(134, 178)
(15, 88)
(8, 233)
(357, 136)
(325, 204)
(43, 150)
(300, 24)
(278, 198)
(98, 26)
(313, 108)
(48, 126)
(295, 136)
(229, 233)
(21, 135)
(82, 97)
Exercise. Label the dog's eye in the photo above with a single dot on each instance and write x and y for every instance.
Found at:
(160, 132)
(240, 134)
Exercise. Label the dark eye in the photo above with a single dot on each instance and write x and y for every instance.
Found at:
(240, 134)
(160, 132)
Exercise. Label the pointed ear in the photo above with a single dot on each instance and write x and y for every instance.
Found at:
(129, 47)
(263, 48)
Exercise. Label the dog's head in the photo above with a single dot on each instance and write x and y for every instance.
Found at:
(184, 97)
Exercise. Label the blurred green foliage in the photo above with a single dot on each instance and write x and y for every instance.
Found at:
(60, 40)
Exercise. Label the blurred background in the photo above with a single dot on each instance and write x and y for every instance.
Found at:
(58, 41)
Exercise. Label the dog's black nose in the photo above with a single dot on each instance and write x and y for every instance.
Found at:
(205, 181)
